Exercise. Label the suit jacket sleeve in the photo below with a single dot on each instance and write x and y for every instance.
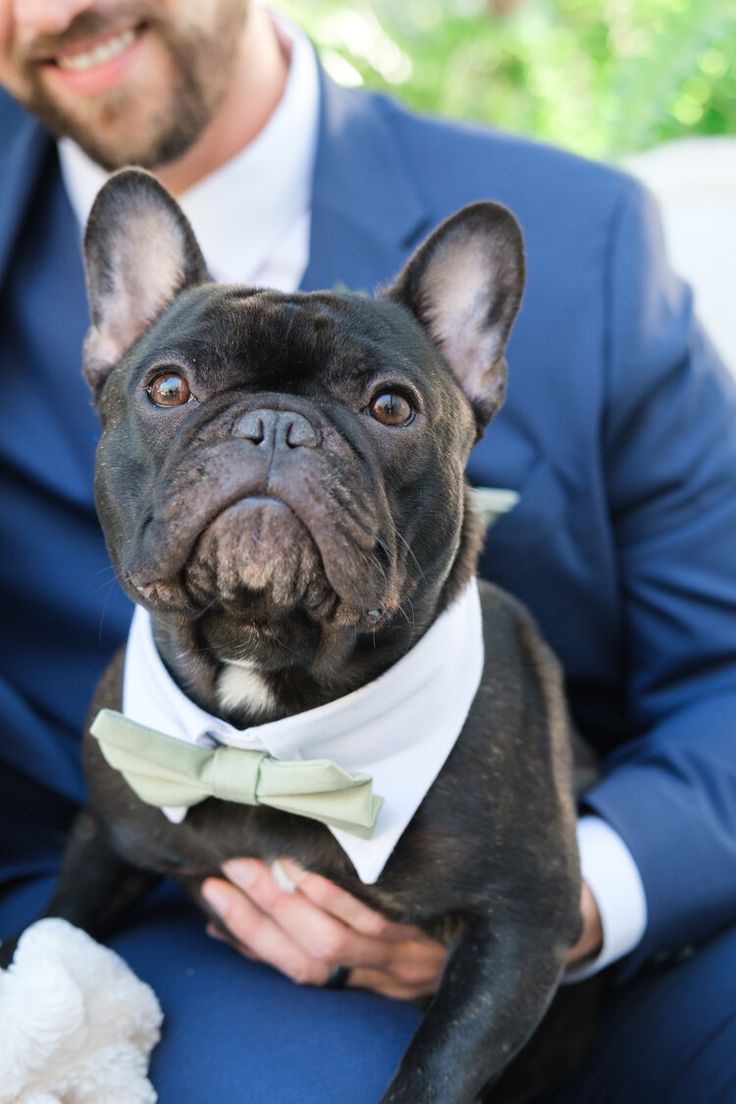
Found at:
(670, 459)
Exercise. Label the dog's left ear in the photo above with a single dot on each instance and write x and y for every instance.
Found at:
(139, 252)
(464, 284)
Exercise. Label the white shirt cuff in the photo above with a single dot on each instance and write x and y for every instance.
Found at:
(613, 877)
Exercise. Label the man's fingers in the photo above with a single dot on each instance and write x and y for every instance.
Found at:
(318, 930)
(388, 984)
(307, 932)
(326, 895)
(222, 935)
(260, 935)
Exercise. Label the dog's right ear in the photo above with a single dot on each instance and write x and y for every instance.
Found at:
(140, 252)
(464, 285)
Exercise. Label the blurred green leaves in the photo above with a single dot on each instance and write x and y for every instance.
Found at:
(602, 77)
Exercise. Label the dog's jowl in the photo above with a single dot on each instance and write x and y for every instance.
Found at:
(280, 480)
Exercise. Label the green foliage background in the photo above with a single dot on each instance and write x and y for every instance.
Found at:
(601, 77)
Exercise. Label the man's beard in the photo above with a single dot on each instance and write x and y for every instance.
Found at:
(201, 60)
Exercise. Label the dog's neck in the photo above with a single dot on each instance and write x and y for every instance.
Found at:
(246, 692)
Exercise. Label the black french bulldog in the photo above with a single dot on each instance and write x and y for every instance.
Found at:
(280, 479)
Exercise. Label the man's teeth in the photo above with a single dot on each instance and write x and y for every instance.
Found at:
(99, 54)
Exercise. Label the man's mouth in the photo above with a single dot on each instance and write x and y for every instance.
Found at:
(99, 53)
(98, 62)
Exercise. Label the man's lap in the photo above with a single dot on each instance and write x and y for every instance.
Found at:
(231, 1026)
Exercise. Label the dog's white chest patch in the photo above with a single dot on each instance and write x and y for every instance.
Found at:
(240, 687)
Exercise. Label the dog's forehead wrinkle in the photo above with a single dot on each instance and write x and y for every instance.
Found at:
(195, 323)
(264, 338)
(357, 320)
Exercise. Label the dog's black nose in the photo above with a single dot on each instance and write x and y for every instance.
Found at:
(276, 429)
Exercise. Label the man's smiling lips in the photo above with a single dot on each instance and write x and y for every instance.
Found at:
(98, 63)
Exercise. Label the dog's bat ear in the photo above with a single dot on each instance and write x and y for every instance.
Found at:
(140, 252)
(464, 284)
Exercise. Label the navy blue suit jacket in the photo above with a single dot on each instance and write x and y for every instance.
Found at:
(619, 433)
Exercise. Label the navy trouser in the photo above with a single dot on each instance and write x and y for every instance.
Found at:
(235, 1031)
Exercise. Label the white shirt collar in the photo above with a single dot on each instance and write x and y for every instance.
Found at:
(399, 728)
(252, 216)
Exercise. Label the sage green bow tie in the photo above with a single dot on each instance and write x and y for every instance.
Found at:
(164, 771)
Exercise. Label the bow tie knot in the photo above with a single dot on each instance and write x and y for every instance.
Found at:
(232, 777)
(164, 771)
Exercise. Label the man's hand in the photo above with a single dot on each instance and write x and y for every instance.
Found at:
(590, 942)
(317, 927)
(308, 932)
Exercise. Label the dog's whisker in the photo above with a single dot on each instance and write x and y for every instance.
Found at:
(411, 621)
(109, 571)
(103, 612)
(400, 536)
(371, 558)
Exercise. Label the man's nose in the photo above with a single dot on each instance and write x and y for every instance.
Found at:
(46, 17)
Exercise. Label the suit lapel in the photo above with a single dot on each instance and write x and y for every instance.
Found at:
(21, 158)
(366, 213)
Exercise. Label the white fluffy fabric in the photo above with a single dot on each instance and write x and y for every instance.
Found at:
(77, 1025)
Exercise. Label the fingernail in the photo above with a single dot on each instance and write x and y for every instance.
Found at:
(291, 869)
(215, 894)
(241, 871)
(281, 876)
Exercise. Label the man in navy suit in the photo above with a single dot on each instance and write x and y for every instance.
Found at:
(619, 434)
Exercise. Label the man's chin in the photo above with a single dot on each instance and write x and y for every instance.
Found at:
(149, 98)
(114, 132)
(133, 122)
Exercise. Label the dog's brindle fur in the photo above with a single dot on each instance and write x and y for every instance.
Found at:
(273, 519)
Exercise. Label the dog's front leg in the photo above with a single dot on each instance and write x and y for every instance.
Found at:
(496, 987)
(97, 888)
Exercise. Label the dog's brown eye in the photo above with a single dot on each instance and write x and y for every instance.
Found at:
(391, 409)
(169, 389)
